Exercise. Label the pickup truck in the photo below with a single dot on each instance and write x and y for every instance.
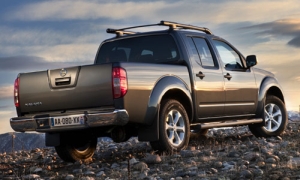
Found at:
(159, 85)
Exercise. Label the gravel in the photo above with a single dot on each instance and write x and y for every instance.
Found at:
(232, 153)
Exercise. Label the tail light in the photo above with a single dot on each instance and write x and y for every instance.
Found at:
(16, 92)
(119, 79)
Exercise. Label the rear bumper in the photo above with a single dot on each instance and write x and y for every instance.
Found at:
(118, 117)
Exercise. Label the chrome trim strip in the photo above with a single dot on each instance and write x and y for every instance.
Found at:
(211, 105)
(227, 104)
(117, 117)
(244, 115)
(240, 104)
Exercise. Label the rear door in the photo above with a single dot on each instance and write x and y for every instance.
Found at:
(208, 79)
(240, 87)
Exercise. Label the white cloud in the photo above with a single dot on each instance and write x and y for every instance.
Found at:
(69, 53)
(6, 92)
(51, 45)
(196, 11)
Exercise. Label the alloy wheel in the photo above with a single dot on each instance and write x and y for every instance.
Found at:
(273, 117)
(175, 128)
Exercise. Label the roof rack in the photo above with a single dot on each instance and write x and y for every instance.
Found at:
(172, 26)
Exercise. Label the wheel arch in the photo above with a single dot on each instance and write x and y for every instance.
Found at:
(167, 87)
(269, 86)
(181, 97)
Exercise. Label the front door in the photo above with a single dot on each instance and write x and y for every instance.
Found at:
(240, 87)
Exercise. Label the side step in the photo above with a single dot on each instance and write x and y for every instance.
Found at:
(225, 124)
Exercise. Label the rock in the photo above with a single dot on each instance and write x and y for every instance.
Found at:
(243, 146)
(143, 175)
(132, 161)
(152, 159)
(100, 174)
(233, 154)
(257, 172)
(218, 164)
(88, 178)
(141, 166)
(38, 170)
(227, 166)
(115, 165)
(270, 166)
(198, 174)
(284, 144)
(246, 174)
(294, 162)
(207, 153)
(31, 176)
(188, 153)
(89, 173)
(191, 148)
(69, 177)
(251, 156)
(261, 164)
(271, 160)
(77, 171)
(213, 170)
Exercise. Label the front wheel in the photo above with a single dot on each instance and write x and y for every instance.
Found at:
(174, 129)
(76, 149)
(275, 117)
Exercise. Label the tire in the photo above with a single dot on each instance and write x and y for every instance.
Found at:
(174, 128)
(275, 117)
(81, 149)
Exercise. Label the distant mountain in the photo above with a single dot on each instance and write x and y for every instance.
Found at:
(21, 141)
(294, 115)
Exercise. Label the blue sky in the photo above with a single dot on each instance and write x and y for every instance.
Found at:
(39, 35)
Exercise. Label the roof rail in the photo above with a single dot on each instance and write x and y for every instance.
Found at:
(119, 32)
(172, 25)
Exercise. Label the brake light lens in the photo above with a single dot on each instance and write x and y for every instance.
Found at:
(119, 79)
(16, 92)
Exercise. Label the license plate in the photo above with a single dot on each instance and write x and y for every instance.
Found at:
(67, 120)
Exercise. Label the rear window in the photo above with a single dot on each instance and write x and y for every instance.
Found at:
(148, 49)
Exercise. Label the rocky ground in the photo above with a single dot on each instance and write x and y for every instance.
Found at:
(223, 154)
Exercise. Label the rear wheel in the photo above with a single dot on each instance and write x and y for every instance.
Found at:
(75, 150)
(174, 129)
(275, 117)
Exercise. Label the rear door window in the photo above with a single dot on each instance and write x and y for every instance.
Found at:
(148, 49)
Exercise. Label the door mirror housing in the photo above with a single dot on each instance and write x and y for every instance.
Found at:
(251, 61)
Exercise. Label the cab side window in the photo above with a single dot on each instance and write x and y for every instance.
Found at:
(230, 58)
(201, 52)
(204, 52)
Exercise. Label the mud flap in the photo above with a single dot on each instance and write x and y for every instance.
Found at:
(150, 133)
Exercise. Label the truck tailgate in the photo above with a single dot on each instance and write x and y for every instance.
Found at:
(79, 87)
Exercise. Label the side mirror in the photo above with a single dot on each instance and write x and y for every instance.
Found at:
(251, 61)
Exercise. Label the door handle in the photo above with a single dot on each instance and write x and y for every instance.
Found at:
(228, 76)
(200, 75)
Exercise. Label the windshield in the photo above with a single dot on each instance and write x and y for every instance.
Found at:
(148, 49)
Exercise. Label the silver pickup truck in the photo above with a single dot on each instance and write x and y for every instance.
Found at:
(160, 86)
